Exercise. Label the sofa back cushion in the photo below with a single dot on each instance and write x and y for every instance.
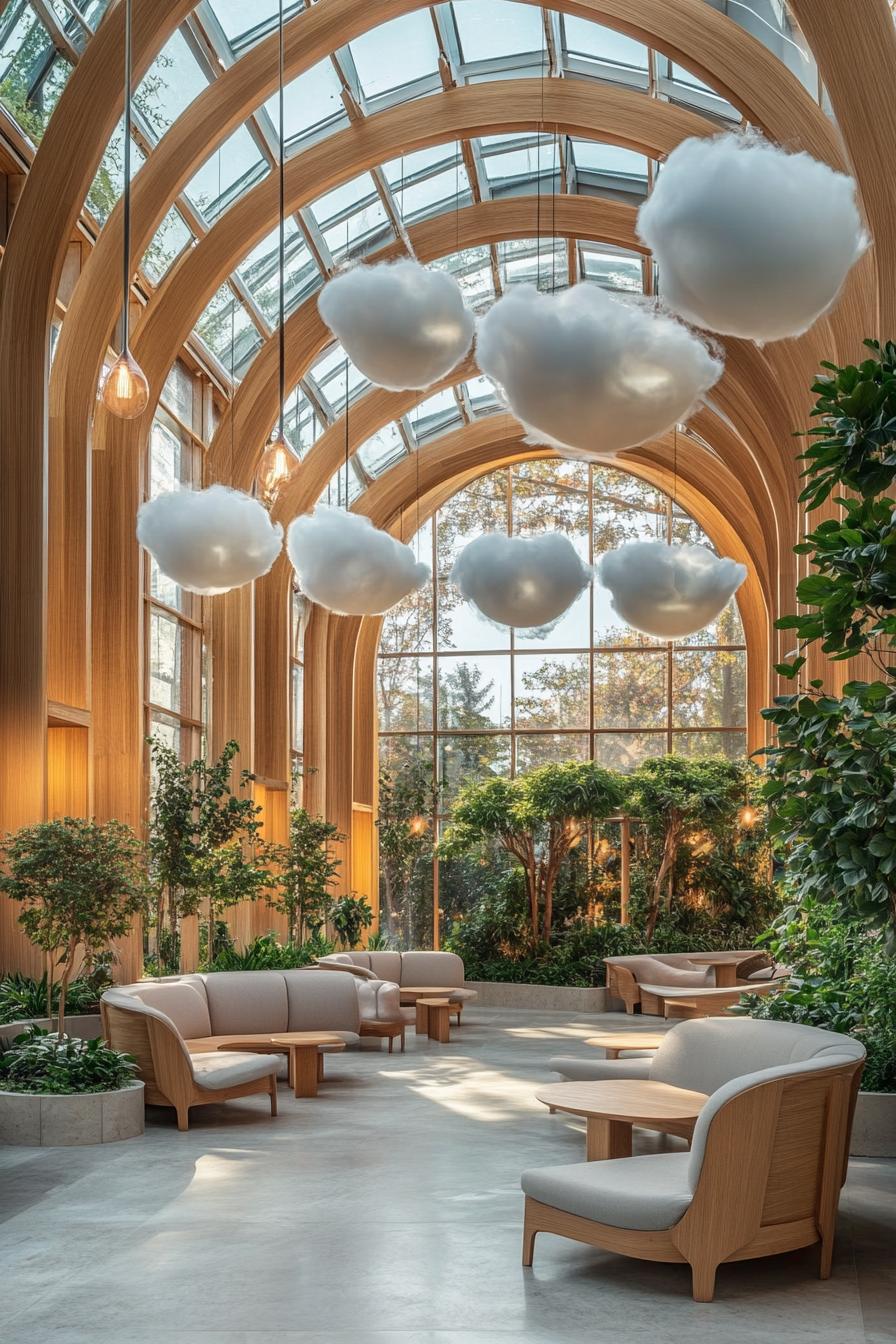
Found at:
(431, 968)
(183, 1002)
(385, 965)
(247, 1001)
(649, 970)
(321, 1002)
(705, 1054)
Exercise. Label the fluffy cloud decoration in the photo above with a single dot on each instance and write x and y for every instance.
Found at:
(402, 325)
(588, 373)
(668, 591)
(349, 566)
(209, 541)
(750, 240)
(526, 582)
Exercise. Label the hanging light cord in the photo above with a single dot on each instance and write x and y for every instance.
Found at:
(126, 212)
(282, 237)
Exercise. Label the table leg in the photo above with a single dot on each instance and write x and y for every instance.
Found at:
(304, 1070)
(439, 1024)
(606, 1139)
(320, 1066)
(422, 1019)
(612, 1051)
(726, 975)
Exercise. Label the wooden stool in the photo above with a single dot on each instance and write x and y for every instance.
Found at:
(433, 1017)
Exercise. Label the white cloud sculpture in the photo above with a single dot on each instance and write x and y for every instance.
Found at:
(349, 566)
(526, 582)
(402, 325)
(589, 373)
(750, 241)
(209, 541)
(668, 591)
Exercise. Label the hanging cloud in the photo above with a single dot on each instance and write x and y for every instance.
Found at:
(526, 582)
(349, 566)
(668, 591)
(750, 241)
(209, 541)
(589, 373)
(402, 325)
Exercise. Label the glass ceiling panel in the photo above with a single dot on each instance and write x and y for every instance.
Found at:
(300, 422)
(172, 82)
(594, 42)
(527, 261)
(329, 377)
(261, 272)
(472, 270)
(236, 166)
(109, 181)
(238, 18)
(32, 77)
(489, 29)
(382, 450)
(483, 397)
(310, 102)
(435, 414)
(225, 322)
(395, 53)
(612, 268)
(510, 159)
(171, 237)
(596, 157)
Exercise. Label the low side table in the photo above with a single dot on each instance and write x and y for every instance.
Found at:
(305, 1060)
(611, 1109)
(433, 1018)
(387, 1030)
(409, 994)
(724, 965)
(614, 1042)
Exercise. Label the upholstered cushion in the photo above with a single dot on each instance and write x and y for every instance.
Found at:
(587, 1068)
(645, 1193)
(431, 968)
(183, 1003)
(387, 965)
(348, 967)
(386, 1000)
(705, 1054)
(229, 1068)
(651, 971)
(248, 1001)
(320, 1002)
(685, 991)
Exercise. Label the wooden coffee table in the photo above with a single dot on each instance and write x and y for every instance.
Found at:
(433, 1019)
(409, 995)
(614, 1042)
(305, 1059)
(724, 964)
(612, 1108)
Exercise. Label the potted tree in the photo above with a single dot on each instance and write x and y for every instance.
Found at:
(80, 884)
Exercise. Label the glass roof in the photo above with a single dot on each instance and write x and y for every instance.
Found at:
(396, 61)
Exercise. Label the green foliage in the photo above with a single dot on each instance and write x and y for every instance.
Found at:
(379, 941)
(21, 997)
(265, 953)
(306, 868)
(407, 800)
(80, 883)
(53, 1064)
(538, 819)
(844, 979)
(350, 915)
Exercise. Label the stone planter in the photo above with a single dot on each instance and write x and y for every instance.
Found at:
(85, 1026)
(72, 1120)
(547, 998)
(874, 1126)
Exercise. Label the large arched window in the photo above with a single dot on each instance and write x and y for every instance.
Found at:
(468, 699)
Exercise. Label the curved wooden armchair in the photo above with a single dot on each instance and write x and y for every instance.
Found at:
(763, 1176)
(171, 1075)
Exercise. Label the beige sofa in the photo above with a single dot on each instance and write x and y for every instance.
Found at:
(176, 1021)
(646, 981)
(409, 969)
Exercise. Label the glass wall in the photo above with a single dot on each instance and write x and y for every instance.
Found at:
(464, 699)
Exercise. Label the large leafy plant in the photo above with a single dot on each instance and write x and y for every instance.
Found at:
(80, 884)
(306, 868)
(407, 799)
(22, 997)
(832, 768)
(47, 1063)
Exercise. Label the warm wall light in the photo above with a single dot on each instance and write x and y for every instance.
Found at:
(417, 825)
(125, 392)
(747, 817)
(277, 466)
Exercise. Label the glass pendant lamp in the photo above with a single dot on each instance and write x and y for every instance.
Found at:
(278, 464)
(125, 391)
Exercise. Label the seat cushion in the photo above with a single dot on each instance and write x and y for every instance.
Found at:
(229, 1068)
(250, 1001)
(642, 1193)
(321, 1002)
(347, 967)
(431, 968)
(387, 965)
(588, 1068)
(184, 1003)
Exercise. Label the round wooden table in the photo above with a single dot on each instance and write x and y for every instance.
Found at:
(611, 1109)
(305, 1059)
(724, 964)
(614, 1042)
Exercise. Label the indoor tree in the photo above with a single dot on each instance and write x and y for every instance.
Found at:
(407, 801)
(350, 916)
(832, 769)
(305, 869)
(80, 884)
(538, 819)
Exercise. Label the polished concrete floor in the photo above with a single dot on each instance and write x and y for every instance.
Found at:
(388, 1210)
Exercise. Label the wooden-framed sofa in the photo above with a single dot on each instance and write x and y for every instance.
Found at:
(644, 982)
(406, 969)
(767, 1160)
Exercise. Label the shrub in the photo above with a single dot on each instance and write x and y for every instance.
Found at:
(45, 1062)
(265, 953)
(22, 997)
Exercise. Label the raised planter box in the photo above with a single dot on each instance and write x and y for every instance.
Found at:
(547, 998)
(86, 1026)
(874, 1126)
(73, 1120)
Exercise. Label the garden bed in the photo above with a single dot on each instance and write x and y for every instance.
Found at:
(47, 1120)
(548, 998)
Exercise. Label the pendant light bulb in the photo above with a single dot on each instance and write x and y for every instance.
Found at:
(125, 391)
(277, 466)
